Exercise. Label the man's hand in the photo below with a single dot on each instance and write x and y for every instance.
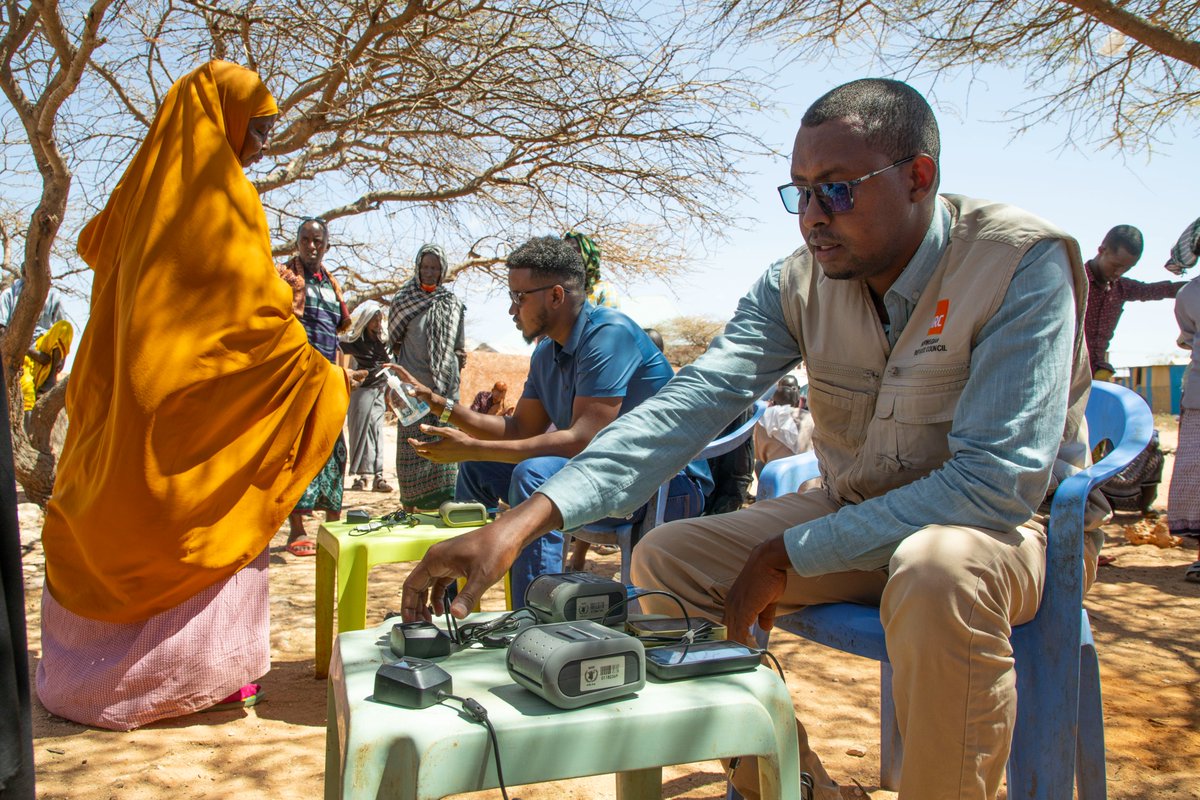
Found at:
(450, 447)
(357, 377)
(419, 390)
(482, 557)
(753, 596)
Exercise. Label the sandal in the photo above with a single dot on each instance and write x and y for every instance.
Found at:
(1192, 574)
(359, 485)
(244, 697)
(380, 486)
(302, 547)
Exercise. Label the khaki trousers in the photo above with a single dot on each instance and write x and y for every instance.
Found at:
(948, 601)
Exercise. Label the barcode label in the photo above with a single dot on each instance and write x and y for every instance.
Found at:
(599, 673)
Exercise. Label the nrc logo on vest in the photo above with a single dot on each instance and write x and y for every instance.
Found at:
(939, 317)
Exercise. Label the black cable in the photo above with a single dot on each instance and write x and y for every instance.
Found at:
(646, 593)
(689, 636)
(472, 632)
(475, 710)
(775, 661)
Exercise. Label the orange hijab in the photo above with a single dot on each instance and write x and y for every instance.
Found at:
(198, 410)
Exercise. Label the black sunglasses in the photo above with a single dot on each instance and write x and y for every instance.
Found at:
(835, 197)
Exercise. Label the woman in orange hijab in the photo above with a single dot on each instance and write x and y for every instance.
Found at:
(198, 415)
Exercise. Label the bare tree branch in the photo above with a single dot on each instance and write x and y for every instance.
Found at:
(476, 123)
(1117, 72)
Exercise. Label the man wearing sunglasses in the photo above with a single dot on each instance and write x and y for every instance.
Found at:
(592, 364)
(947, 380)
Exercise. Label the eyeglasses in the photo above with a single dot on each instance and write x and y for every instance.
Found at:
(835, 197)
(518, 298)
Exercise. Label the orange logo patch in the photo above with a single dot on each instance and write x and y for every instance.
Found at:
(939, 317)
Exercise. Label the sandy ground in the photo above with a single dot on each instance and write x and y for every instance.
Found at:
(1142, 611)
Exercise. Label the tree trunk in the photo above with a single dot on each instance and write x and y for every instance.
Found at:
(34, 459)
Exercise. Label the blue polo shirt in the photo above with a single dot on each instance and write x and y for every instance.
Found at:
(606, 355)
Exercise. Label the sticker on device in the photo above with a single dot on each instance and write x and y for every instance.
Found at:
(591, 607)
(600, 673)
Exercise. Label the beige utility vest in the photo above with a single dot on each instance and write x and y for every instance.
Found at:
(882, 415)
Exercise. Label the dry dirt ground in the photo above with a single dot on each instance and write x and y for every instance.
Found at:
(1143, 613)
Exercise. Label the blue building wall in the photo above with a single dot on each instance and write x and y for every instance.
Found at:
(1161, 385)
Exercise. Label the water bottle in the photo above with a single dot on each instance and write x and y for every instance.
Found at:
(411, 408)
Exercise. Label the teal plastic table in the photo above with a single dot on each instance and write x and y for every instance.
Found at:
(379, 751)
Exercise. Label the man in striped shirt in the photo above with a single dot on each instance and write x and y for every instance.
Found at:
(1109, 290)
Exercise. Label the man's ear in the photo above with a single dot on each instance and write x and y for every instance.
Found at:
(924, 177)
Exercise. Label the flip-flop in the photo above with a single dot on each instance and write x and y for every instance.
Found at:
(244, 697)
(1192, 574)
(1104, 561)
(302, 547)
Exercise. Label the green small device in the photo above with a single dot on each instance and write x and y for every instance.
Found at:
(463, 515)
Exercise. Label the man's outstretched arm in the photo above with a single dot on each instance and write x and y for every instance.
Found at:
(642, 448)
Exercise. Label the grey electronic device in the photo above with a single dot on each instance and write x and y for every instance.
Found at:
(573, 664)
(701, 658)
(411, 683)
(566, 596)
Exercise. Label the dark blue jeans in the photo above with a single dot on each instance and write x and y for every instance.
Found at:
(489, 481)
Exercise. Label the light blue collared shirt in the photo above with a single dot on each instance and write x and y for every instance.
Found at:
(1003, 441)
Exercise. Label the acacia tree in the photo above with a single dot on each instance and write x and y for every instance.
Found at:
(687, 337)
(482, 121)
(1118, 72)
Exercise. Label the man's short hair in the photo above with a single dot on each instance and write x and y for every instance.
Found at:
(551, 257)
(892, 116)
(313, 221)
(1127, 238)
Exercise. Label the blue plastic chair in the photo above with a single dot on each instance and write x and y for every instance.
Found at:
(620, 533)
(1060, 724)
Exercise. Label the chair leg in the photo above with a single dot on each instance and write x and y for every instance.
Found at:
(625, 545)
(891, 749)
(568, 542)
(1089, 744)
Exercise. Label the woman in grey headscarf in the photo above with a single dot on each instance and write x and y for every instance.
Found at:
(426, 337)
(365, 341)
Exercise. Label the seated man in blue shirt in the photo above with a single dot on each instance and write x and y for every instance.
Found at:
(592, 365)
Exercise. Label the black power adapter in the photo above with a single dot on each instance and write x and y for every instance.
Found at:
(411, 683)
(419, 640)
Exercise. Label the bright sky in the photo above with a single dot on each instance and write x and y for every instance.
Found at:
(1086, 193)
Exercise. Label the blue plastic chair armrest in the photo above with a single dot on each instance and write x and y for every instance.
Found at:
(784, 475)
